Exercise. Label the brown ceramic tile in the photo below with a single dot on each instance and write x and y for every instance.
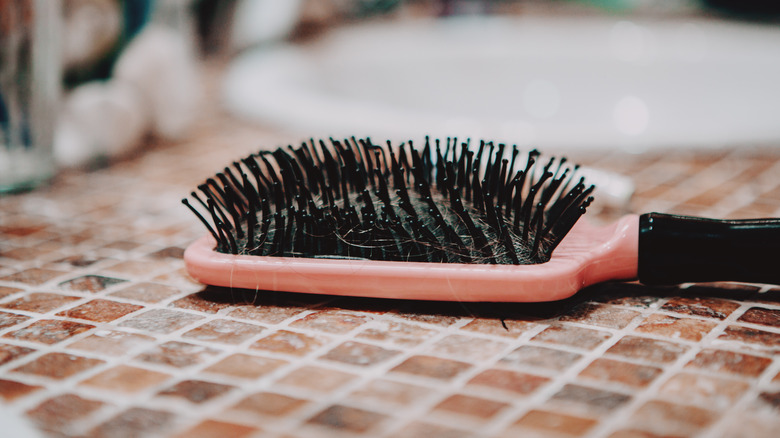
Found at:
(47, 247)
(11, 390)
(122, 245)
(433, 367)
(625, 373)
(429, 318)
(716, 393)
(56, 413)
(757, 208)
(33, 276)
(12, 352)
(100, 310)
(759, 338)
(74, 238)
(11, 319)
(178, 354)
(647, 349)
(497, 327)
(146, 292)
(171, 252)
(20, 253)
(269, 403)
(555, 422)
(49, 331)
(287, 342)
(90, 283)
(20, 229)
(672, 419)
(160, 321)
(134, 267)
(419, 429)
(125, 379)
(178, 277)
(578, 337)
(245, 366)
(224, 331)
(39, 302)
(730, 362)
(58, 365)
(770, 293)
(471, 406)
(202, 302)
(331, 321)
(753, 426)
(166, 231)
(718, 287)
(676, 328)
(399, 333)
(111, 342)
(633, 433)
(24, 253)
(762, 316)
(8, 291)
(592, 399)
(507, 380)
(134, 422)
(601, 315)
(467, 348)
(316, 378)
(706, 307)
(770, 400)
(77, 261)
(388, 391)
(266, 313)
(540, 357)
(347, 419)
(360, 354)
(196, 391)
(636, 301)
(217, 429)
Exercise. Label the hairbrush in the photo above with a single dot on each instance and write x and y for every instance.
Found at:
(449, 221)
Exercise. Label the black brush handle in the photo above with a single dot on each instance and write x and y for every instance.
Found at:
(682, 249)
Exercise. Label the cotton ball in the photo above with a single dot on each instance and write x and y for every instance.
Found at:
(99, 119)
(161, 64)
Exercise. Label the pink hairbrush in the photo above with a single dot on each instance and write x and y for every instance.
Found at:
(461, 226)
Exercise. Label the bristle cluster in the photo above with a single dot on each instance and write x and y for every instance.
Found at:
(355, 199)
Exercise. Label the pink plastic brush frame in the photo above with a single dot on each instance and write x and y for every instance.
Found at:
(587, 255)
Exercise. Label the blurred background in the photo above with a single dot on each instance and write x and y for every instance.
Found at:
(555, 74)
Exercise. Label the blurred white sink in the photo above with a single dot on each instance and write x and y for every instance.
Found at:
(551, 83)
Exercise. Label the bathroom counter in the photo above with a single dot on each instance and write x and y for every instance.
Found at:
(102, 332)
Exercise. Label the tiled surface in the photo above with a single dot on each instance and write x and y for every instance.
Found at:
(102, 333)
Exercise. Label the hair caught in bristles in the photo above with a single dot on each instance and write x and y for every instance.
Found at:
(352, 198)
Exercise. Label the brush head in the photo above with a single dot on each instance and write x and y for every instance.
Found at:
(447, 202)
(587, 255)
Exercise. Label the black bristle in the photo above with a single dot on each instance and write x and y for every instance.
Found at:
(200, 217)
(231, 197)
(212, 196)
(352, 198)
(261, 182)
(251, 225)
(403, 157)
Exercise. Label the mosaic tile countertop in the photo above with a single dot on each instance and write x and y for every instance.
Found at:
(102, 333)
